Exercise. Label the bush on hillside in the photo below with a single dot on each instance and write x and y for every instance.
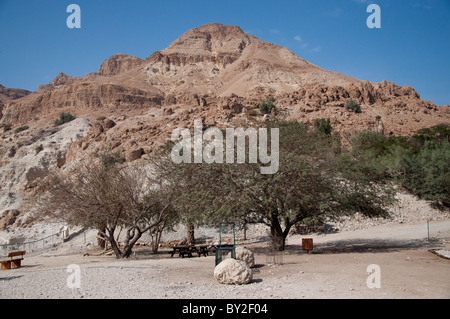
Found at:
(353, 106)
(64, 118)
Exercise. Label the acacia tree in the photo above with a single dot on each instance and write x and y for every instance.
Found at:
(108, 196)
(309, 186)
(182, 180)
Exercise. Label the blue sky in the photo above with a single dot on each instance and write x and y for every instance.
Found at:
(412, 47)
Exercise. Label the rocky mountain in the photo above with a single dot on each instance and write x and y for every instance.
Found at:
(11, 94)
(223, 60)
(7, 94)
(216, 73)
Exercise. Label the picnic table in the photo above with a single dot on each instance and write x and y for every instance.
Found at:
(188, 250)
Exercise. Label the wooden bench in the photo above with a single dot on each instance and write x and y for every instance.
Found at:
(202, 250)
(13, 262)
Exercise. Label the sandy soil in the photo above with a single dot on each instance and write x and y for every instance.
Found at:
(336, 268)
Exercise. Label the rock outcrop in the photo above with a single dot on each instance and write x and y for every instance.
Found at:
(31, 156)
(118, 64)
(8, 219)
(11, 94)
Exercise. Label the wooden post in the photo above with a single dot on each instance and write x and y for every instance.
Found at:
(6, 265)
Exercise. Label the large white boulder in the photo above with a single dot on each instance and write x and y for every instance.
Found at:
(246, 255)
(233, 272)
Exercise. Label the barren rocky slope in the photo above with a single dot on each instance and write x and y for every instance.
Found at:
(11, 94)
(216, 73)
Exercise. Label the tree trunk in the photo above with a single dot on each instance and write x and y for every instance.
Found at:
(101, 242)
(278, 235)
(156, 238)
(115, 247)
(191, 234)
(109, 236)
(129, 243)
(278, 240)
(132, 237)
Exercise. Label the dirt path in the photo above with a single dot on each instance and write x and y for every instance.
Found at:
(386, 236)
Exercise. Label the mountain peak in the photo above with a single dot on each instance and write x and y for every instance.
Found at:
(224, 60)
(62, 79)
(218, 30)
(210, 38)
(118, 63)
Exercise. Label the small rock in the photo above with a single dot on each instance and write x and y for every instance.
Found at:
(107, 124)
(134, 154)
(167, 111)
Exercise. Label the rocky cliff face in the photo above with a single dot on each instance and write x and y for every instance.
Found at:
(117, 64)
(215, 73)
(11, 94)
(29, 156)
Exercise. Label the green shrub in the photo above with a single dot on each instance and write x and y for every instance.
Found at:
(427, 173)
(266, 106)
(6, 128)
(418, 163)
(109, 159)
(64, 118)
(101, 118)
(438, 132)
(353, 106)
(323, 126)
(20, 129)
(39, 149)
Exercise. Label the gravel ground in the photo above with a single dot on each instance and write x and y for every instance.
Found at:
(336, 268)
(333, 270)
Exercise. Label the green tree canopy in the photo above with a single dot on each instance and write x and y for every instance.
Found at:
(308, 187)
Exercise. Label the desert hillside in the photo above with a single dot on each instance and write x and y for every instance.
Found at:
(215, 72)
